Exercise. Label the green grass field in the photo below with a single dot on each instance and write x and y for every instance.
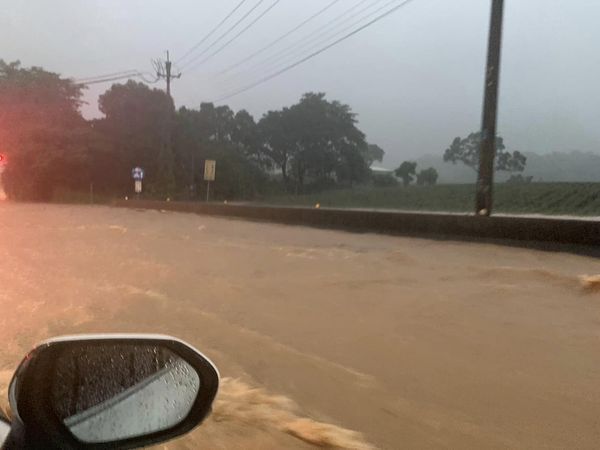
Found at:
(539, 198)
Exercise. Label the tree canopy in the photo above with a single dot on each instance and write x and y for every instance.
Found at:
(406, 172)
(137, 122)
(373, 153)
(47, 142)
(466, 151)
(427, 177)
(315, 139)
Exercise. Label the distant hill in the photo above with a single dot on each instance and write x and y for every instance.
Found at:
(573, 166)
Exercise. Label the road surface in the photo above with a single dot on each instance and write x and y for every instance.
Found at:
(323, 337)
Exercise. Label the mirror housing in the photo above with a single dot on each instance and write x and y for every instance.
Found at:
(108, 391)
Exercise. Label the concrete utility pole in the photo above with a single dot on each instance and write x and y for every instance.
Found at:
(487, 151)
(165, 72)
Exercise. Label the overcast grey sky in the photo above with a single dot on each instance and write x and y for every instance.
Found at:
(415, 79)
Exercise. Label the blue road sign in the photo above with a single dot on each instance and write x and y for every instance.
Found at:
(137, 173)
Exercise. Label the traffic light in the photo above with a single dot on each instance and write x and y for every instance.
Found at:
(2, 158)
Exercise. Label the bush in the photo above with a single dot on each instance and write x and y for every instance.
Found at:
(427, 177)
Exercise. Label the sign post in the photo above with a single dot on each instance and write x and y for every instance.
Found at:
(210, 166)
(138, 175)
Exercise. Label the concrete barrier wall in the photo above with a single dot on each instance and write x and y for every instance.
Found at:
(515, 228)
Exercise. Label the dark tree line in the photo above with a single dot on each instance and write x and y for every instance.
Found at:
(312, 144)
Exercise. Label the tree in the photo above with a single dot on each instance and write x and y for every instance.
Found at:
(427, 177)
(278, 144)
(47, 142)
(218, 123)
(139, 122)
(230, 138)
(406, 171)
(467, 151)
(315, 139)
(246, 137)
(351, 167)
(189, 149)
(373, 153)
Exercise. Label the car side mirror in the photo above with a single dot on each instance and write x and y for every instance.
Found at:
(111, 391)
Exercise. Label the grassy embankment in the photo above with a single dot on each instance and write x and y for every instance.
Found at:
(540, 198)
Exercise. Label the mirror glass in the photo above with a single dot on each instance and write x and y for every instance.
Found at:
(4, 430)
(106, 392)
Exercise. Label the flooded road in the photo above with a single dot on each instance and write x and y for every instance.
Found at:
(323, 337)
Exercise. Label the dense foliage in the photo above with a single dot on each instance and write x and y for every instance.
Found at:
(427, 177)
(406, 172)
(46, 141)
(50, 146)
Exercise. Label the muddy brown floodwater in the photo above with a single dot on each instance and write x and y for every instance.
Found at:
(324, 338)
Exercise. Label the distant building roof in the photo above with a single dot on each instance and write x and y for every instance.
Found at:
(381, 170)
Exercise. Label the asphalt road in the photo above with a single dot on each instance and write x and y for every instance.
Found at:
(322, 335)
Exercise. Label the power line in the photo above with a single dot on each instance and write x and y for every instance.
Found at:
(143, 77)
(107, 75)
(296, 49)
(321, 31)
(210, 33)
(312, 55)
(260, 16)
(280, 38)
(106, 80)
(215, 42)
(315, 42)
(310, 36)
(114, 77)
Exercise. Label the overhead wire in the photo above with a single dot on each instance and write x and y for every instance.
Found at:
(220, 49)
(292, 51)
(280, 38)
(222, 36)
(116, 77)
(301, 43)
(211, 32)
(312, 55)
(107, 75)
(315, 41)
(105, 80)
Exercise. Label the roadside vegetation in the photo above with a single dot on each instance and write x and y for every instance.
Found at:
(310, 152)
(51, 148)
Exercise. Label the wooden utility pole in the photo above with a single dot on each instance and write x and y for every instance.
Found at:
(487, 151)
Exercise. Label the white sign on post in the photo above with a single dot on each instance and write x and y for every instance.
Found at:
(210, 166)
(138, 186)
